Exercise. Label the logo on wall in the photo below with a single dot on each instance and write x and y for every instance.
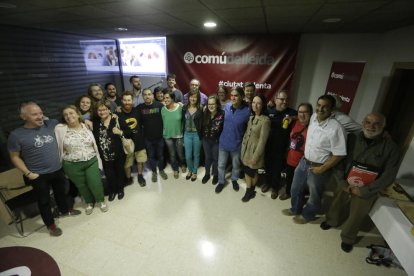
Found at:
(343, 81)
(188, 57)
(232, 60)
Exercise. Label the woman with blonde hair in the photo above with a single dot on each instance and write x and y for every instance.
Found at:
(81, 161)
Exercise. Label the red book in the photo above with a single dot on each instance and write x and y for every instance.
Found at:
(360, 175)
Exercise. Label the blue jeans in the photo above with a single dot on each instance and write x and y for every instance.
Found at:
(175, 148)
(155, 151)
(222, 162)
(315, 182)
(192, 144)
(211, 152)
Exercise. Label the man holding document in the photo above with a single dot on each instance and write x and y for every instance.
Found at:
(370, 166)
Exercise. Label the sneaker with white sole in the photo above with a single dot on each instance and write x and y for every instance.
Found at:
(103, 206)
(89, 209)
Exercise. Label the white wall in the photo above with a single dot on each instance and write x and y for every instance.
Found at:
(380, 51)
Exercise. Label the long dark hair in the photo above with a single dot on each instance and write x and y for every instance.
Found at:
(264, 107)
(197, 94)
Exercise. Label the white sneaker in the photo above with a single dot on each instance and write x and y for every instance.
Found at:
(89, 209)
(103, 206)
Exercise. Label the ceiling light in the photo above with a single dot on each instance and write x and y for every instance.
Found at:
(332, 20)
(120, 29)
(7, 6)
(210, 24)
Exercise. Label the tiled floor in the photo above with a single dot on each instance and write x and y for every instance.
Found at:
(179, 227)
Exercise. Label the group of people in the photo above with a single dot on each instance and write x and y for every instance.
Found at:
(309, 148)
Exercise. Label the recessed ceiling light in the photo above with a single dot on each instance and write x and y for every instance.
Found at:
(210, 24)
(7, 6)
(121, 29)
(332, 20)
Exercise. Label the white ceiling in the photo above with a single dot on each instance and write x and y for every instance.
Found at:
(182, 17)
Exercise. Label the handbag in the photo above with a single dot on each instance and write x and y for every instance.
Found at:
(127, 144)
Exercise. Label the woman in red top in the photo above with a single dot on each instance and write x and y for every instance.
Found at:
(297, 144)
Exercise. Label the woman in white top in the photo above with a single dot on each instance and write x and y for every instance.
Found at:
(80, 157)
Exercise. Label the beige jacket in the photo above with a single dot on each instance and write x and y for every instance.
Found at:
(254, 141)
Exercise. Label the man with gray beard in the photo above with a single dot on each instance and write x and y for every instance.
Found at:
(370, 166)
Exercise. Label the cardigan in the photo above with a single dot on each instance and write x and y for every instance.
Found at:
(60, 131)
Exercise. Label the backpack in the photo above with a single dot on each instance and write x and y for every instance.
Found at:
(382, 255)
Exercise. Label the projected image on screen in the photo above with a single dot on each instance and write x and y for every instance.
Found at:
(100, 55)
(143, 56)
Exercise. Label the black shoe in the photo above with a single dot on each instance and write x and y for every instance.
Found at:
(219, 188)
(325, 226)
(120, 195)
(141, 180)
(129, 181)
(235, 185)
(265, 188)
(274, 194)
(205, 179)
(188, 176)
(215, 179)
(250, 193)
(111, 197)
(347, 247)
(70, 213)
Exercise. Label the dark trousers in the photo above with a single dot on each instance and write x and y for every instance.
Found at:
(274, 165)
(115, 175)
(155, 152)
(41, 186)
(211, 150)
(290, 171)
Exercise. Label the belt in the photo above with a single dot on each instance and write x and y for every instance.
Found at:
(312, 164)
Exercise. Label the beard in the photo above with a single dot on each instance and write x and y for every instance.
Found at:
(371, 134)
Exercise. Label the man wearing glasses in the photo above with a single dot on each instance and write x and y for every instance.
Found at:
(280, 116)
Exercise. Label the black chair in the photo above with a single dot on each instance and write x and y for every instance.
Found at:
(15, 196)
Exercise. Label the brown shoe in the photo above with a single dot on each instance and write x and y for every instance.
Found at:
(274, 194)
(288, 212)
(300, 220)
(265, 188)
(284, 197)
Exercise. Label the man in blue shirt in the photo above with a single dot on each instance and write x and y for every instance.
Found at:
(236, 116)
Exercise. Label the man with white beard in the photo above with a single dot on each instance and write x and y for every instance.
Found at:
(370, 166)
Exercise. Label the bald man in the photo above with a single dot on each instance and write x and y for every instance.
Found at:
(370, 166)
(34, 151)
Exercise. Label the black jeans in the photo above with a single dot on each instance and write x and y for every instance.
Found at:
(41, 186)
(115, 175)
(275, 162)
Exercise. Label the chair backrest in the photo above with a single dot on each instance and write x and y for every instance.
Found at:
(8, 180)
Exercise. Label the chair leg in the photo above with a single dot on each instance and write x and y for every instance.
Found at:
(17, 220)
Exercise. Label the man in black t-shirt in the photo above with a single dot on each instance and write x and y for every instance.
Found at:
(278, 141)
(129, 115)
(149, 116)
